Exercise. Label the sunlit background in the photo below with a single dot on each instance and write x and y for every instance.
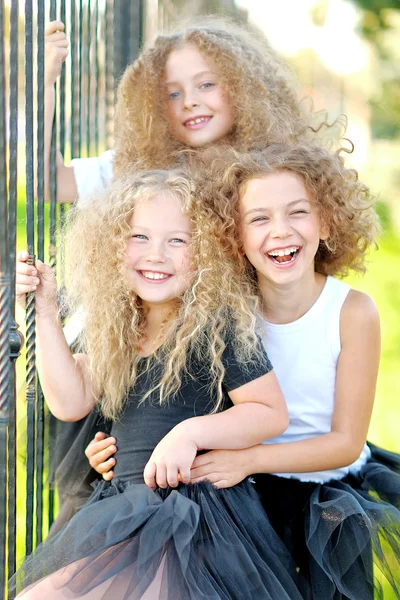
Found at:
(346, 55)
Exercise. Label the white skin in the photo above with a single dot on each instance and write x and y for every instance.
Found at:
(194, 91)
(197, 108)
(159, 269)
(278, 212)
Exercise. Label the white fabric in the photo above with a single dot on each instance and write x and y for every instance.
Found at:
(304, 355)
(92, 175)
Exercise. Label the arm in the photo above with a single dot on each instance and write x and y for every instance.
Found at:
(56, 52)
(64, 377)
(259, 411)
(355, 390)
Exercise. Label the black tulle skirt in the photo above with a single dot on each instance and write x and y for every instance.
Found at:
(195, 542)
(343, 532)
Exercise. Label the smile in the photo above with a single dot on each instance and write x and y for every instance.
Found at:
(284, 256)
(154, 276)
(197, 122)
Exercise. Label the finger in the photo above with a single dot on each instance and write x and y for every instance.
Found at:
(96, 447)
(211, 477)
(29, 280)
(222, 484)
(23, 255)
(201, 460)
(55, 37)
(149, 475)
(100, 435)
(108, 476)
(184, 473)
(97, 458)
(201, 471)
(106, 466)
(53, 26)
(23, 268)
(161, 476)
(172, 476)
(22, 289)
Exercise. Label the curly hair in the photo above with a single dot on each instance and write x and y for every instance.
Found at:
(260, 87)
(344, 203)
(217, 306)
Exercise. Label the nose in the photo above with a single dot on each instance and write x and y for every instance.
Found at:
(280, 228)
(156, 253)
(190, 99)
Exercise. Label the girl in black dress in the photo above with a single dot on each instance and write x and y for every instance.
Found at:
(170, 355)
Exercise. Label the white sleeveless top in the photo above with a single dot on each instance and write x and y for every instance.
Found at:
(304, 355)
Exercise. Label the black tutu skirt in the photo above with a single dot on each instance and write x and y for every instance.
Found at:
(344, 535)
(192, 543)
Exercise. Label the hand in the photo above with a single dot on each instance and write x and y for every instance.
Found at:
(40, 279)
(56, 50)
(171, 459)
(223, 468)
(98, 453)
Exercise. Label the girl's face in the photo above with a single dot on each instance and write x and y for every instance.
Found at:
(158, 250)
(197, 109)
(280, 227)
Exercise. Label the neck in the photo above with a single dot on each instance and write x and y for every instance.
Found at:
(287, 303)
(157, 318)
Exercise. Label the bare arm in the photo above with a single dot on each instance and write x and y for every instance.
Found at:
(355, 390)
(63, 376)
(56, 52)
(260, 411)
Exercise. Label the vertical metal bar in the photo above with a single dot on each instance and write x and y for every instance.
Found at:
(30, 301)
(80, 105)
(73, 80)
(97, 79)
(40, 251)
(4, 314)
(12, 232)
(88, 76)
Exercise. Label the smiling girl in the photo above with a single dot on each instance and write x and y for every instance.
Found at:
(296, 217)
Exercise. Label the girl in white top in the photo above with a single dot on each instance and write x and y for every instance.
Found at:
(304, 217)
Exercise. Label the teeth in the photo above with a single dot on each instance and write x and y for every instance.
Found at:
(283, 252)
(152, 275)
(198, 120)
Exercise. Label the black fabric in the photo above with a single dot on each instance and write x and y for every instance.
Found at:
(203, 543)
(334, 531)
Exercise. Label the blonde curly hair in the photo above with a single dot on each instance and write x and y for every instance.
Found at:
(217, 306)
(259, 86)
(345, 204)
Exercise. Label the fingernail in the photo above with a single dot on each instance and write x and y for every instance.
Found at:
(36, 280)
(33, 288)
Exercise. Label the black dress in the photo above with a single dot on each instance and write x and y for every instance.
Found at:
(190, 543)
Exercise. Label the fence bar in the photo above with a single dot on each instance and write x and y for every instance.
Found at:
(4, 313)
(40, 252)
(80, 86)
(30, 301)
(12, 236)
(88, 76)
(97, 79)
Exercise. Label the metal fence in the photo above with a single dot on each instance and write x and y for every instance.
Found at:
(104, 36)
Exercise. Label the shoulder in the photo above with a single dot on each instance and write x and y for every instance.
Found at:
(359, 315)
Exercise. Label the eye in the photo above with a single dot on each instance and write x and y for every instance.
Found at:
(207, 85)
(139, 236)
(301, 211)
(177, 241)
(259, 219)
(173, 95)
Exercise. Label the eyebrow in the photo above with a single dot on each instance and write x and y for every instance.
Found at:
(253, 210)
(200, 74)
(180, 231)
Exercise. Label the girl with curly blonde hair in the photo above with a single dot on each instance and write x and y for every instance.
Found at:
(212, 82)
(170, 354)
(296, 218)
